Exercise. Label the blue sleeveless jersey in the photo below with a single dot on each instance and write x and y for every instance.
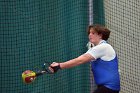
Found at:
(106, 73)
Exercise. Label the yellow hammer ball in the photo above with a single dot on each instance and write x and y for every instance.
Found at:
(28, 76)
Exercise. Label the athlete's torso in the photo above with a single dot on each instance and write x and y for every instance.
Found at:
(105, 65)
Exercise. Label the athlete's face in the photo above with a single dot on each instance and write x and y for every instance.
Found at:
(94, 37)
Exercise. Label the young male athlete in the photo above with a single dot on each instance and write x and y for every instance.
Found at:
(103, 58)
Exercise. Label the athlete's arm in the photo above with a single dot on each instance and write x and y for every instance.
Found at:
(71, 63)
(91, 54)
(77, 61)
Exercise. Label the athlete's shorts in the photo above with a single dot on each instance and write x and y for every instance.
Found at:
(103, 89)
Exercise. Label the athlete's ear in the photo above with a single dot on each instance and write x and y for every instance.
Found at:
(101, 36)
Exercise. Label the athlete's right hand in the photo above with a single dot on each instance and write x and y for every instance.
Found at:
(54, 67)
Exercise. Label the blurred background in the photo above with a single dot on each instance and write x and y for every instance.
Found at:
(36, 31)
